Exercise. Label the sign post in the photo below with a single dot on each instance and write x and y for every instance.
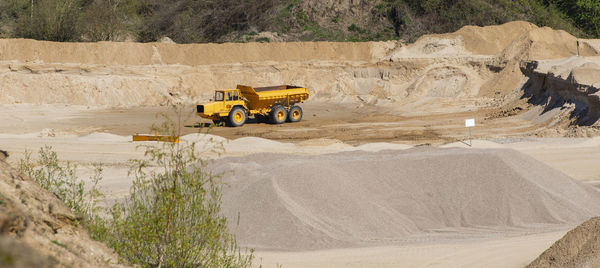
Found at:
(469, 123)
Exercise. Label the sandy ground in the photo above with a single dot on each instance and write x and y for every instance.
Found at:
(349, 123)
(322, 125)
(86, 136)
(501, 252)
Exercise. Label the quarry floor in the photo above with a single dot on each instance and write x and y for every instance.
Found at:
(353, 124)
(73, 133)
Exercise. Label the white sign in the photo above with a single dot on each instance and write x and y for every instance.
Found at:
(470, 122)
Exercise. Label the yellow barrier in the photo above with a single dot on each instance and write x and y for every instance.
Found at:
(156, 137)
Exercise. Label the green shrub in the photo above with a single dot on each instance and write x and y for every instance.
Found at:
(173, 215)
(354, 28)
(54, 20)
(187, 21)
(102, 21)
(62, 181)
(263, 40)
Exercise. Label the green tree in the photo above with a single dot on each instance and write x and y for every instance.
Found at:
(588, 14)
(103, 20)
(10, 11)
(54, 20)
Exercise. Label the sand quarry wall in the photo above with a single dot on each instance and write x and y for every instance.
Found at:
(572, 83)
(474, 62)
(128, 53)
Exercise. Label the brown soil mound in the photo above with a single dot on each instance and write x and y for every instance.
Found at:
(360, 198)
(491, 40)
(514, 40)
(38, 230)
(580, 247)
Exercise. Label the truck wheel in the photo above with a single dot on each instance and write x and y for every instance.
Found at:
(295, 114)
(278, 115)
(237, 117)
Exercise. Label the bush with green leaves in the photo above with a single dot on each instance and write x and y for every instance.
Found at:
(62, 181)
(172, 216)
(55, 20)
(193, 21)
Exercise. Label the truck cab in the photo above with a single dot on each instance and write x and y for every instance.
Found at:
(222, 104)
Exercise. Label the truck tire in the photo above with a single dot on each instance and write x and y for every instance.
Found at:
(278, 115)
(295, 114)
(237, 117)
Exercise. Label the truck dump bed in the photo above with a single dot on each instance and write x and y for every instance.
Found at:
(264, 97)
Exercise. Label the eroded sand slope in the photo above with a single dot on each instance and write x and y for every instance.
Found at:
(580, 247)
(38, 230)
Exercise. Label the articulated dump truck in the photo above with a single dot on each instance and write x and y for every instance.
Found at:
(276, 105)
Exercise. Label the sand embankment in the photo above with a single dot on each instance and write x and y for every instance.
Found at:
(475, 65)
(129, 53)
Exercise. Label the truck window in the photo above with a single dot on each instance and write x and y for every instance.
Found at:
(219, 96)
(229, 96)
(235, 95)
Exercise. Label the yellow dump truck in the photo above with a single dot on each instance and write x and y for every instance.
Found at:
(276, 104)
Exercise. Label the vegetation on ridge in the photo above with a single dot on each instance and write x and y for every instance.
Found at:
(197, 21)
